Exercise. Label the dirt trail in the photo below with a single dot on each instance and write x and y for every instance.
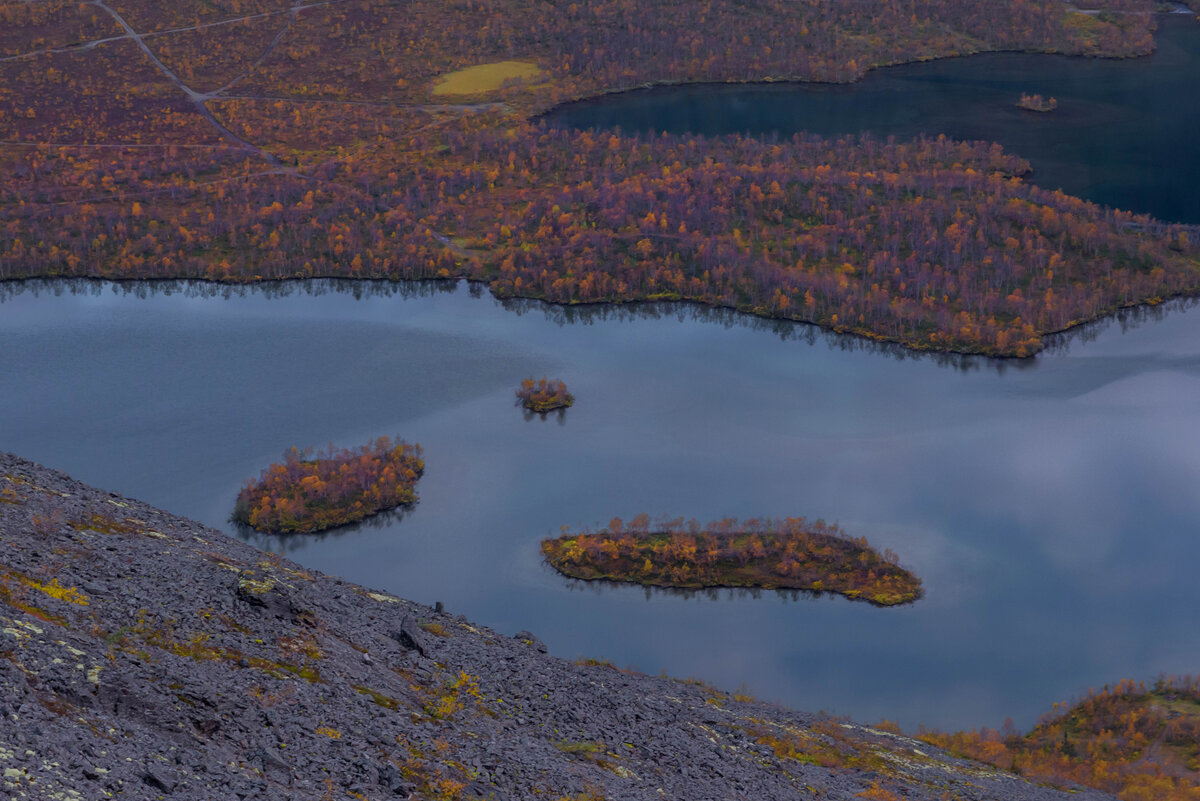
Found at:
(198, 98)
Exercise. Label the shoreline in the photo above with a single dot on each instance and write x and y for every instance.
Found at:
(786, 81)
(696, 589)
(435, 285)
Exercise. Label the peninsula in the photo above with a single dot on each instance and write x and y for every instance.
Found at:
(250, 141)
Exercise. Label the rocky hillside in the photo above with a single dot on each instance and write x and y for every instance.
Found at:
(144, 656)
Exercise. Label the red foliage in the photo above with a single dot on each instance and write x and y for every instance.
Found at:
(305, 493)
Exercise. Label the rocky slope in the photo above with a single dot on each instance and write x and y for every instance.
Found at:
(143, 656)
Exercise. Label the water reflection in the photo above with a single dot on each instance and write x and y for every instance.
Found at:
(716, 594)
(294, 543)
(591, 314)
(1126, 319)
(558, 415)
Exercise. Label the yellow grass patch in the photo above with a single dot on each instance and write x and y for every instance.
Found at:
(484, 77)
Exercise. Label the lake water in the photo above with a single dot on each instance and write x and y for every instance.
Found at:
(1050, 505)
(1125, 133)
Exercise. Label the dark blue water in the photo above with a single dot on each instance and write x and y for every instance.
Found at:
(1049, 505)
(1125, 133)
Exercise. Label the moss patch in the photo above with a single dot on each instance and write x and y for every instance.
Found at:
(484, 78)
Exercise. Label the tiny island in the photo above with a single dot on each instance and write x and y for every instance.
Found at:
(1037, 103)
(306, 493)
(544, 395)
(789, 553)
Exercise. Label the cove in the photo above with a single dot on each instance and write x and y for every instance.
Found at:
(1123, 135)
(1049, 505)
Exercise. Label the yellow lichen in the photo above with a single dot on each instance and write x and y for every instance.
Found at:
(255, 586)
(57, 591)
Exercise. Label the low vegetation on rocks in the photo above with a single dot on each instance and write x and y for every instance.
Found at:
(1140, 742)
(201, 668)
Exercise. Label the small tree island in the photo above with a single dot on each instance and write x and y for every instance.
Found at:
(544, 395)
(771, 553)
(306, 493)
(1036, 103)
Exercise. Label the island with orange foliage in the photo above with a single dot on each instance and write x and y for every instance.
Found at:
(544, 395)
(306, 492)
(771, 553)
(1139, 742)
(1037, 103)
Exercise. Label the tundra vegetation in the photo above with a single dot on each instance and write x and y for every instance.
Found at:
(544, 395)
(1139, 742)
(306, 492)
(242, 140)
(771, 553)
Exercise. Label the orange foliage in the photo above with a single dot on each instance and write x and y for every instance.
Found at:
(304, 494)
(269, 144)
(544, 395)
(1036, 103)
(1140, 744)
(787, 553)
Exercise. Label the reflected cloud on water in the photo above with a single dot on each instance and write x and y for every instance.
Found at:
(598, 313)
(601, 587)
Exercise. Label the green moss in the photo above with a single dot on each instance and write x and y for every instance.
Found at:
(385, 701)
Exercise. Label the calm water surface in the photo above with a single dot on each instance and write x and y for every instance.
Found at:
(1125, 133)
(1050, 505)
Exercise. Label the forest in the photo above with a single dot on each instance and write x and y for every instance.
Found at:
(544, 395)
(247, 140)
(1140, 743)
(309, 492)
(769, 553)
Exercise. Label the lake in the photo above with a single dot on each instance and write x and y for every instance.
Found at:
(1049, 504)
(1124, 133)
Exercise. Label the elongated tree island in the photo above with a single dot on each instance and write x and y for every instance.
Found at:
(789, 553)
(306, 492)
